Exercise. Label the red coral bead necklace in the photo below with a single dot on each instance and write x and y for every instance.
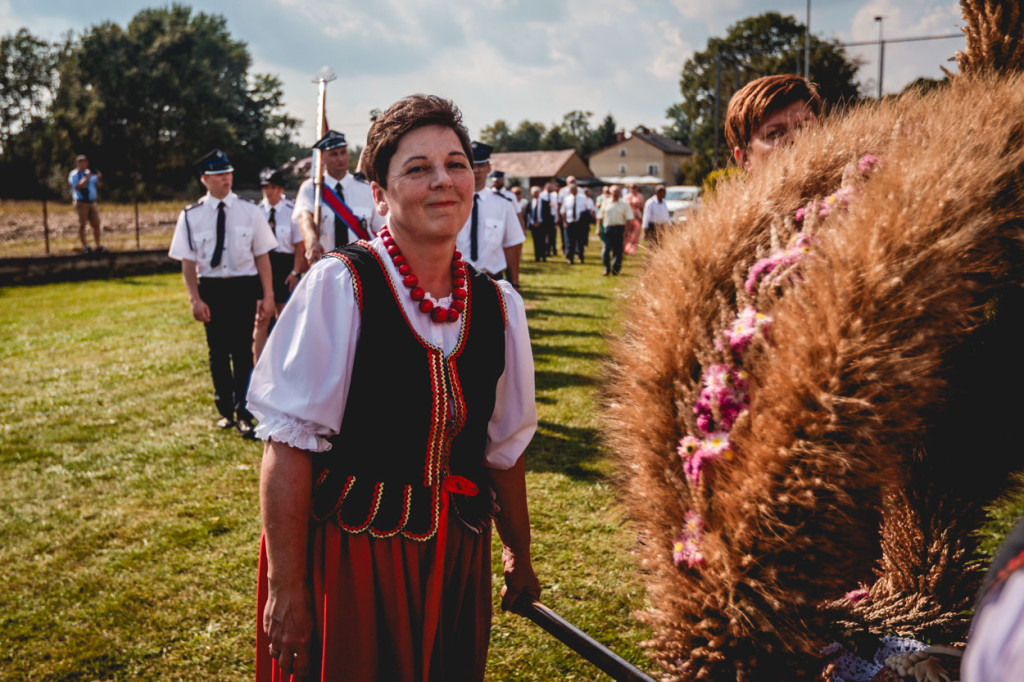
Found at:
(427, 305)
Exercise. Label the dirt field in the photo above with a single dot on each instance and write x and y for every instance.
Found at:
(23, 227)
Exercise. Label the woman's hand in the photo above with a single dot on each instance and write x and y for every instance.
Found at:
(520, 579)
(513, 524)
(288, 623)
(285, 487)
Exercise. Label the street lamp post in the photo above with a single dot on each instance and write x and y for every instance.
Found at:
(881, 56)
(807, 44)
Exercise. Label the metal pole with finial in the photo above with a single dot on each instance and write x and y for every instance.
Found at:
(323, 77)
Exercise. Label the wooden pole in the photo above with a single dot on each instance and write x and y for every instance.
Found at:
(605, 659)
(46, 228)
(325, 76)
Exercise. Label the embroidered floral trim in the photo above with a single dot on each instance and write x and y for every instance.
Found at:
(724, 395)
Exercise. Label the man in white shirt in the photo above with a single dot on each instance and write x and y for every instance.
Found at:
(288, 259)
(492, 239)
(656, 214)
(222, 242)
(614, 214)
(537, 218)
(355, 195)
(578, 214)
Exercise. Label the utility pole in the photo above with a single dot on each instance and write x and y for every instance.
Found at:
(807, 43)
(881, 56)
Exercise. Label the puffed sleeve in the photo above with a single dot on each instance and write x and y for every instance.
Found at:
(514, 420)
(300, 385)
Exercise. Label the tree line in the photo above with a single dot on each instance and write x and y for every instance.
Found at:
(573, 132)
(757, 46)
(143, 102)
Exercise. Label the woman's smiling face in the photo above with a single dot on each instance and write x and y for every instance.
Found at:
(430, 185)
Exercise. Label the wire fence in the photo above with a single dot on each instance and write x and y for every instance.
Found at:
(50, 228)
(46, 227)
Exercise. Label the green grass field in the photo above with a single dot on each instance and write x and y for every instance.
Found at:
(129, 525)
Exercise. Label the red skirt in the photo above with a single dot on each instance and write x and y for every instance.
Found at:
(382, 613)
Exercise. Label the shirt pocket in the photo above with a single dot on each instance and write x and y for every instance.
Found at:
(493, 224)
(239, 248)
(204, 248)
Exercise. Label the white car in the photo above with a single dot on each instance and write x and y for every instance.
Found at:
(682, 199)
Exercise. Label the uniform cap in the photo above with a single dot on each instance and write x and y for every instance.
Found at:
(481, 152)
(332, 139)
(497, 174)
(271, 176)
(214, 163)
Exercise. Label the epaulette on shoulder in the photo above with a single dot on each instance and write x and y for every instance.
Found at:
(250, 201)
(289, 203)
(191, 206)
(502, 196)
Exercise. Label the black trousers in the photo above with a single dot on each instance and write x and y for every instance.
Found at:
(232, 303)
(540, 241)
(611, 254)
(577, 234)
(552, 237)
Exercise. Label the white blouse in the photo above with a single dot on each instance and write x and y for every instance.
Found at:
(300, 385)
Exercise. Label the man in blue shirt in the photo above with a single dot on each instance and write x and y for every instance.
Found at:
(84, 185)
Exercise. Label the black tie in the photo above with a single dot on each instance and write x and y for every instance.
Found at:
(218, 250)
(272, 220)
(340, 228)
(472, 231)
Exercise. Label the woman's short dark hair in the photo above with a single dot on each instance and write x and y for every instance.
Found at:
(756, 101)
(408, 113)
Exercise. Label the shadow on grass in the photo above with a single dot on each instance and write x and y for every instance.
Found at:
(537, 333)
(550, 381)
(547, 312)
(544, 350)
(556, 292)
(567, 450)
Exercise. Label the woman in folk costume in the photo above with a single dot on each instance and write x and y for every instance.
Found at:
(396, 396)
(813, 416)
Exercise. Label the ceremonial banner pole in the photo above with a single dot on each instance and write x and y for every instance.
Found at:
(325, 76)
(605, 659)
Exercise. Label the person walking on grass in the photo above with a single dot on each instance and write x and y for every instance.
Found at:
(222, 242)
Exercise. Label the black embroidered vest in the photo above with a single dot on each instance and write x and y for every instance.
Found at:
(412, 416)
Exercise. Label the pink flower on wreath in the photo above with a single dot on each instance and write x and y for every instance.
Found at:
(800, 214)
(688, 446)
(854, 596)
(868, 163)
(686, 548)
(718, 446)
(749, 323)
(694, 523)
(723, 397)
(691, 451)
(697, 453)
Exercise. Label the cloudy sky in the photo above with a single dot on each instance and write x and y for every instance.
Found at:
(514, 59)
